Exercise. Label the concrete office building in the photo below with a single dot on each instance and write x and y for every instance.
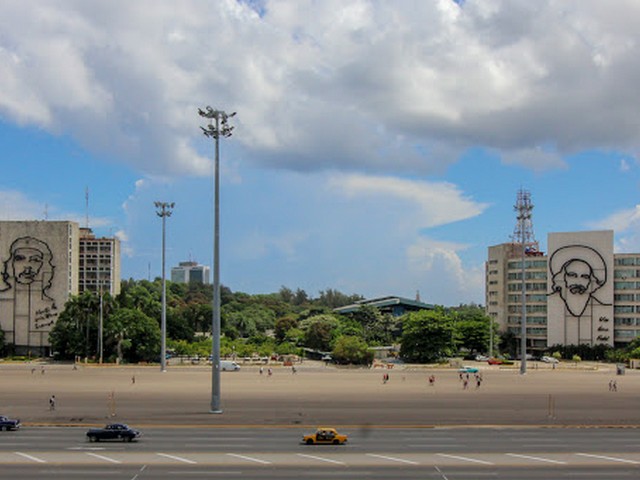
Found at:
(99, 263)
(39, 274)
(580, 292)
(190, 272)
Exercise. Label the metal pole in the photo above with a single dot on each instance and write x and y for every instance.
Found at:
(215, 326)
(165, 211)
(218, 126)
(100, 331)
(523, 327)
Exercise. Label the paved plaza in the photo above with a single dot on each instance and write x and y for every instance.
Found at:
(318, 394)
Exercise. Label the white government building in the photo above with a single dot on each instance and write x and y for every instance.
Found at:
(579, 292)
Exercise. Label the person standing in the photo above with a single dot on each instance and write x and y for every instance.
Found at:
(52, 402)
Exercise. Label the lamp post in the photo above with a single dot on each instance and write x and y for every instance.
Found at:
(218, 127)
(164, 211)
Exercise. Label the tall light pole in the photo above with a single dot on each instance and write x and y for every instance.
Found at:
(218, 127)
(164, 211)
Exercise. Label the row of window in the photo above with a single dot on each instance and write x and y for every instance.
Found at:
(530, 287)
(530, 297)
(529, 308)
(627, 321)
(530, 331)
(626, 285)
(528, 264)
(626, 273)
(528, 275)
(531, 320)
(627, 261)
(626, 309)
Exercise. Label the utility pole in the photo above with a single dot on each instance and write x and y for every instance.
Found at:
(218, 127)
(164, 211)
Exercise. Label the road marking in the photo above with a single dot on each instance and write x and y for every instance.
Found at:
(540, 459)
(393, 459)
(613, 459)
(466, 459)
(30, 457)
(250, 459)
(102, 457)
(320, 458)
(173, 457)
(444, 477)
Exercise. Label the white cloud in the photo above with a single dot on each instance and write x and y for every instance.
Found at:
(15, 205)
(381, 85)
(426, 204)
(621, 221)
(437, 266)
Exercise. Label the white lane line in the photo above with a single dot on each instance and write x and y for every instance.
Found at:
(173, 457)
(466, 459)
(30, 457)
(102, 457)
(604, 457)
(539, 459)
(250, 459)
(322, 459)
(393, 459)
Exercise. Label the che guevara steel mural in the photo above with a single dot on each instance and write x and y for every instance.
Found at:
(27, 276)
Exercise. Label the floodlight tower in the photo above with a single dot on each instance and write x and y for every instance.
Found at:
(218, 127)
(164, 210)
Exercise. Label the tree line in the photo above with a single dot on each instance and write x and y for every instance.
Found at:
(283, 323)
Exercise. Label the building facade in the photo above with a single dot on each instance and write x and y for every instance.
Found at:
(190, 272)
(580, 292)
(39, 274)
(99, 263)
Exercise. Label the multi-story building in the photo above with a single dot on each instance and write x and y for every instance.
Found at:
(99, 263)
(190, 272)
(578, 293)
(43, 264)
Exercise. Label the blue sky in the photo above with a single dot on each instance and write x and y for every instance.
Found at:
(378, 146)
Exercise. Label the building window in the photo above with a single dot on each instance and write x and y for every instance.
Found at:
(623, 309)
(626, 261)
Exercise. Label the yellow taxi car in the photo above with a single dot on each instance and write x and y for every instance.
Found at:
(324, 436)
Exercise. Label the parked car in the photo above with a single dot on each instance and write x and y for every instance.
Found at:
(466, 369)
(325, 436)
(481, 358)
(7, 423)
(113, 431)
(547, 359)
(495, 361)
(229, 365)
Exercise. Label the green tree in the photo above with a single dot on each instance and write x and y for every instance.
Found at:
(319, 331)
(349, 349)
(132, 336)
(428, 335)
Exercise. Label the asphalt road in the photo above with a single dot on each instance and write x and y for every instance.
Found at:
(438, 453)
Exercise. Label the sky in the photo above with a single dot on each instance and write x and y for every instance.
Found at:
(378, 146)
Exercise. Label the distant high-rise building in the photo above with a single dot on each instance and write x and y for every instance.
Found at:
(190, 272)
(99, 265)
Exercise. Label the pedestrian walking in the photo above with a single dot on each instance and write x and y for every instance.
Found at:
(615, 386)
(269, 371)
(261, 370)
(432, 380)
(133, 379)
(52, 402)
(465, 384)
(293, 370)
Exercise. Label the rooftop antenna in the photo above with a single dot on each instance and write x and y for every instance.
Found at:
(46, 211)
(523, 231)
(86, 206)
(417, 295)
